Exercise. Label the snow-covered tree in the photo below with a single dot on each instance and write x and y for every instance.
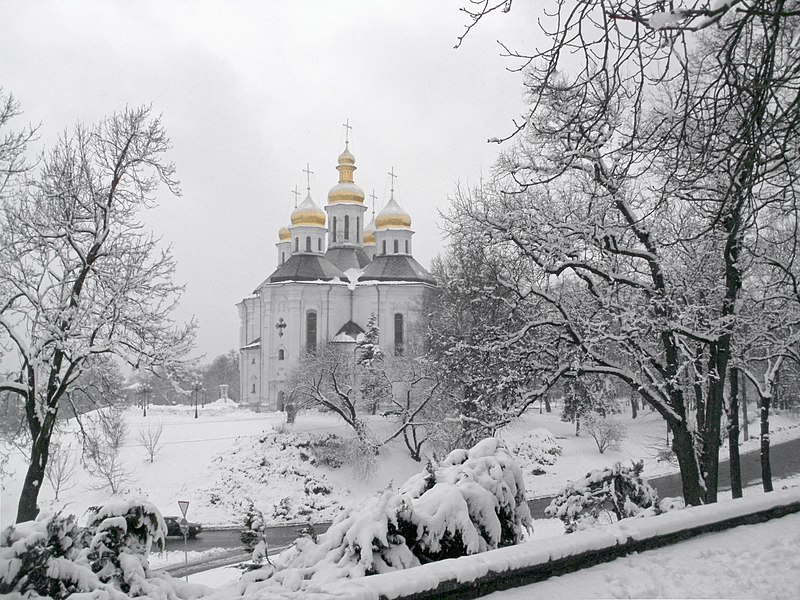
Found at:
(604, 496)
(472, 501)
(372, 383)
(79, 276)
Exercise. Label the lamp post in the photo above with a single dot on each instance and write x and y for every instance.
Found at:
(196, 386)
(145, 389)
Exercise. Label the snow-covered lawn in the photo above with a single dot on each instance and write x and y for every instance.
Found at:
(215, 462)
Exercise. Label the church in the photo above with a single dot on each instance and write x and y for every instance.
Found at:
(333, 272)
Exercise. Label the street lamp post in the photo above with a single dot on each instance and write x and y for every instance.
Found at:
(196, 390)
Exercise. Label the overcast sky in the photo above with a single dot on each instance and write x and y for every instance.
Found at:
(252, 91)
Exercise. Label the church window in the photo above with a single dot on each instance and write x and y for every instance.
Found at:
(296, 244)
(319, 244)
(347, 227)
(358, 229)
(308, 243)
(383, 247)
(281, 354)
(253, 390)
(406, 246)
(396, 246)
(253, 360)
(311, 331)
(334, 229)
(283, 257)
(398, 334)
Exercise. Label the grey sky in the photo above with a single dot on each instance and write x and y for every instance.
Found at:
(252, 91)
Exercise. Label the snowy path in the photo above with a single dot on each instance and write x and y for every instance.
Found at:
(751, 561)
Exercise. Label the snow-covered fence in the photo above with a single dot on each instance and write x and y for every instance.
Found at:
(475, 575)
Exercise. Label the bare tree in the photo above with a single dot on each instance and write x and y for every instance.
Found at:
(79, 276)
(102, 446)
(149, 438)
(60, 470)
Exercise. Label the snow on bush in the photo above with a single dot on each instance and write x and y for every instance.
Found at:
(538, 449)
(269, 472)
(472, 501)
(54, 557)
(607, 432)
(605, 496)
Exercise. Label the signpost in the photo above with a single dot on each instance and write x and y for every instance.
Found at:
(184, 525)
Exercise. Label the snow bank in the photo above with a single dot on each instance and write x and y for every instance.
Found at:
(530, 562)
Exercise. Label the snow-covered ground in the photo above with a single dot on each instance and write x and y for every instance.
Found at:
(218, 462)
(751, 561)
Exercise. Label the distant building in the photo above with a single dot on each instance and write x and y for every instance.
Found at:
(333, 273)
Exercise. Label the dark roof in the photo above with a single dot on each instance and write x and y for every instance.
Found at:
(306, 267)
(396, 267)
(351, 328)
(348, 258)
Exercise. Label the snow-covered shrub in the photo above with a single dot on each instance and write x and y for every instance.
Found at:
(123, 533)
(536, 450)
(604, 496)
(329, 450)
(39, 556)
(607, 432)
(472, 501)
(362, 455)
(53, 557)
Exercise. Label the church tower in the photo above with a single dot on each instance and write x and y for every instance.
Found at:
(284, 245)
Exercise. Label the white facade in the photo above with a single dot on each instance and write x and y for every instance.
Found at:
(326, 283)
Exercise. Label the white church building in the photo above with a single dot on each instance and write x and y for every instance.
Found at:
(333, 273)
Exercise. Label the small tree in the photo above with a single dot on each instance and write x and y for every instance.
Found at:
(101, 450)
(605, 431)
(149, 438)
(604, 496)
(60, 469)
(372, 384)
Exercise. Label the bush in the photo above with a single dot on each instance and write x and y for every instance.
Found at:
(54, 557)
(606, 432)
(604, 496)
(539, 449)
(471, 502)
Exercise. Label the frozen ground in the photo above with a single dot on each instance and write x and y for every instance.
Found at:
(215, 462)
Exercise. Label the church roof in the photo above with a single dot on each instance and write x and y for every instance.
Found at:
(348, 258)
(396, 267)
(349, 332)
(306, 267)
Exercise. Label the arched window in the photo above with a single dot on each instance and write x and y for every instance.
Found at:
(281, 354)
(398, 334)
(311, 331)
(253, 360)
(396, 246)
(319, 244)
(358, 229)
(334, 229)
(383, 247)
(308, 243)
(407, 247)
(283, 257)
(347, 227)
(296, 244)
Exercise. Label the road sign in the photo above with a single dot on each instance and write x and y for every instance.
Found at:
(184, 525)
(184, 506)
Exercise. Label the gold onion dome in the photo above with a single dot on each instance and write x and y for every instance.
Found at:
(346, 191)
(369, 234)
(309, 214)
(392, 217)
(284, 235)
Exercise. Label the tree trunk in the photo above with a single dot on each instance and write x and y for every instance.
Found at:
(713, 420)
(634, 407)
(577, 425)
(547, 406)
(745, 425)
(28, 508)
(691, 478)
(733, 436)
(766, 468)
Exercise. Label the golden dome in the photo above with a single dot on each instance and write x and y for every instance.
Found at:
(392, 217)
(346, 191)
(309, 214)
(284, 235)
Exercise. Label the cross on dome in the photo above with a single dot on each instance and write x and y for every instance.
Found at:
(308, 173)
(393, 176)
(374, 197)
(347, 128)
(296, 196)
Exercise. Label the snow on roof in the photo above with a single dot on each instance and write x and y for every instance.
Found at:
(256, 343)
